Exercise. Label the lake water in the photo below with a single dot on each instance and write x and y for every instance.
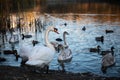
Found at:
(79, 41)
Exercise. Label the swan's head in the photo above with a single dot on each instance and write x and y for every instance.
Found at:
(65, 32)
(54, 29)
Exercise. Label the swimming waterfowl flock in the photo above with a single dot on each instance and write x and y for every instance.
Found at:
(41, 56)
(26, 36)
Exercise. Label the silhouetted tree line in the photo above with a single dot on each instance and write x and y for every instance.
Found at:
(83, 1)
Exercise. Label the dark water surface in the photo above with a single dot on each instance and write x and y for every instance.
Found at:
(95, 16)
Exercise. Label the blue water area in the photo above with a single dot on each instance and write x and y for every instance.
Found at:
(79, 42)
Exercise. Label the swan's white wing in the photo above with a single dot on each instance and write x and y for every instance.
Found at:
(25, 50)
(40, 55)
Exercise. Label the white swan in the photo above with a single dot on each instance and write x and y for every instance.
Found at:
(66, 53)
(107, 61)
(41, 56)
(24, 52)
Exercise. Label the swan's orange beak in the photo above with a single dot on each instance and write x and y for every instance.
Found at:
(56, 30)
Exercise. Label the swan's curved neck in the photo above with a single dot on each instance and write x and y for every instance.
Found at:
(62, 50)
(48, 44)
(64, 38)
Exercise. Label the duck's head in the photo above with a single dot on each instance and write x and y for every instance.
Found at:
(98, 48)
(112, 48)
(102, 37)
(33, 42)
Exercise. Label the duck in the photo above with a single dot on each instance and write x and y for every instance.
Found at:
(108, 60)
(41, 56)
(109, 31)
(101, 39)
(26, 36)
(65, 24)
(34, 42)
(14, 52)
(97, 49)
(84, 28)
(2, 59)
(108, 51)
(58, 39)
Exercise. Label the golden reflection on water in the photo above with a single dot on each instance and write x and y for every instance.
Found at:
(77, 11)
(25, 19)
(29, 17)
